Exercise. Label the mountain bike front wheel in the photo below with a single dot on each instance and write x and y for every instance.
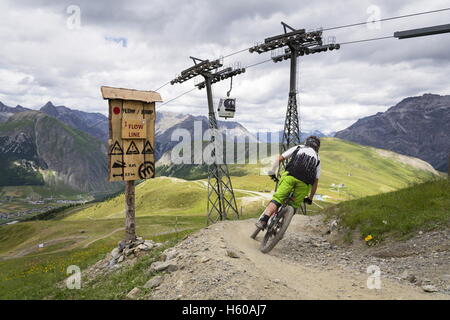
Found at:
(276, 231)
(255, 233)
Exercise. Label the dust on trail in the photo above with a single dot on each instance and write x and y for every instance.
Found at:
(206, 270)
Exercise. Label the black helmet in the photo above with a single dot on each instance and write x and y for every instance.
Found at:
(313, 142)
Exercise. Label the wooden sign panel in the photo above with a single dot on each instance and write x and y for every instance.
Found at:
(132, 140)
(134, 129)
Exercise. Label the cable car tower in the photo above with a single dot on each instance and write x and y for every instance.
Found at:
(297, 43)
(221, 199)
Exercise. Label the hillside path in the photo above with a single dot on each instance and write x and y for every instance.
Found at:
(206, 270)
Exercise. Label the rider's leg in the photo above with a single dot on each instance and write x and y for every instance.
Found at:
(285, 186)
(271, 208)
(301, 190)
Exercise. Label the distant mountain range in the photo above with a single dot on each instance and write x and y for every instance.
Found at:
(168, 122)
(95, 124)
(64, 147)
(416, 126)
(6, 112)
(36, 149)
(269, 136)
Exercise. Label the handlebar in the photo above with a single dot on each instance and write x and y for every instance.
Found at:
(274, 178)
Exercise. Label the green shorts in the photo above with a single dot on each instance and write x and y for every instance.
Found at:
(288, 183)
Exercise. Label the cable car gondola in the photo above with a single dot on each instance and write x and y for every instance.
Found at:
(227, 106)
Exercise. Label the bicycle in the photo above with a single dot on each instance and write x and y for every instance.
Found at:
(278, 223)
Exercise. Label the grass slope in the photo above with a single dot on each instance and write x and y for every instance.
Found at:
(423, 206)
(35, 275)
(160, 196)
(362, 171)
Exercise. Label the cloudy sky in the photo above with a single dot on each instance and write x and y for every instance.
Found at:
(64, 51)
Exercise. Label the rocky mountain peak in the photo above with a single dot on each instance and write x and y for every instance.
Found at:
(6, 109)
(50, 109)
(3, 107)
(416, 126)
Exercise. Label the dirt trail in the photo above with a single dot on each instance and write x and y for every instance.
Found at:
(77, 243)
(103, 237)
(206, 270)
(34, 248)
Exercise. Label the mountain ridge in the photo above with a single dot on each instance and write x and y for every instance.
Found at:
(58, 153)
(416, 126)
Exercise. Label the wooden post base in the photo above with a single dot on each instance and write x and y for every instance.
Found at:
(130, 223)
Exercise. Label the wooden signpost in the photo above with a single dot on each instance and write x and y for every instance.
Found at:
(131, 143)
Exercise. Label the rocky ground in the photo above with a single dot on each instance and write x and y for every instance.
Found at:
(125, 254)
(423, 260)
(222, 262)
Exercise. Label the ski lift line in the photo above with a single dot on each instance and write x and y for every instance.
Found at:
(386, 19)
(258, 63)
(165, 84)
(366, 40)
(360, 24)
(233, 53)
(179, 96)
(344, 26)
(265, 61)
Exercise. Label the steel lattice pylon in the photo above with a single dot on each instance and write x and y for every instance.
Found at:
(291, 132)
(221, 203)
(221, 200)
(294, 43)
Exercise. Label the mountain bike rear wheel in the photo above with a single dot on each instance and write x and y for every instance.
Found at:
(275, 232)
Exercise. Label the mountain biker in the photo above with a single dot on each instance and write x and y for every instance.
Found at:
(301, 176)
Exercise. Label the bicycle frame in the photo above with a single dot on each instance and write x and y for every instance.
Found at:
(278, 222)
(276, 215)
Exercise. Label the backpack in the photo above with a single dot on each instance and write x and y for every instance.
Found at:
(303, 167)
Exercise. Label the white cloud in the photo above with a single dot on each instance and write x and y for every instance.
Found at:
(41, 59)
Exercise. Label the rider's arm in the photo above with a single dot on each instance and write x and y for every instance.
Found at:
(275, 164)
(313, 189)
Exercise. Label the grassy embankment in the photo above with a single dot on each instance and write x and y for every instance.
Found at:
(81, 243)
(398, 214)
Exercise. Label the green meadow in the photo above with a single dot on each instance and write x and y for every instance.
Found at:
(398, 214)
(168, 208)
